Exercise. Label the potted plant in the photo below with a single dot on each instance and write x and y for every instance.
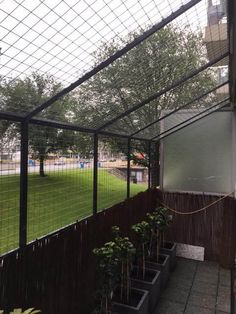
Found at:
(143, 277)
(161, 262)
(127, 300)
(115, 292)
(167, 247)
(107, 276)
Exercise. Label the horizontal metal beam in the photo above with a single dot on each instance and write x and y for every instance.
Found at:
(163, 91)
(181, 107)
(123, 136)
(198, 114)
(60, 125)
(74, 127)
(160, 137)
(11, 116)
(114, 57)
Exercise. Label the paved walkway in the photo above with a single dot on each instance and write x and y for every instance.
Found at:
(196, 288)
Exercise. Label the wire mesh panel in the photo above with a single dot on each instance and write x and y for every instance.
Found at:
(112, 171)
(154, 164)
(60, 179)
(9, 185)
(60, 37)
(139, 162)
(150, 72)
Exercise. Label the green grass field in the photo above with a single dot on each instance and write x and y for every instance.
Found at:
(56, 200)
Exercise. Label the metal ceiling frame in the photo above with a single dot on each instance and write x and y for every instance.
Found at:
(163, 91)
(181, 107)
(112, 58)
(192, 122)
(30, 117)
(181, 125)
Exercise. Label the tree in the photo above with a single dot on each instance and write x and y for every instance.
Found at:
(161, 60)
(23, 95)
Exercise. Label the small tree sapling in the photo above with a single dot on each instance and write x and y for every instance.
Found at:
(141, 238)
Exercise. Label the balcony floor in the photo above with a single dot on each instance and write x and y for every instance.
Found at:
(196, 288)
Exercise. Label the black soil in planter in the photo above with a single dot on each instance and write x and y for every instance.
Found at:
(151, 282)
(138, 303)
(169, 248)
(163, 266)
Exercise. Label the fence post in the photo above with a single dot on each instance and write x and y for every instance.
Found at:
(128, 167)
(95, 173)
(23, 184)
(155, 167)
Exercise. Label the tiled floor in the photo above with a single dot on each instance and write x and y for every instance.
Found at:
(196, 288)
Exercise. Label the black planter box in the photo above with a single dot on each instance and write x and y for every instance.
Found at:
(151, 283)
(141, 306)
(170, 249)
(163, 266)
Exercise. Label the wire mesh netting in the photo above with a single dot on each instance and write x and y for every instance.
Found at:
(183, 118)
(112, 172)
(60, 179)
(154, 164)
(135, 66)
(168, 55)
(165, 58)
(139, 163)
(9, 188)
(61, 37)
(208, 102)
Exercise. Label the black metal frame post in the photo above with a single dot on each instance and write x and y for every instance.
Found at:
(149, 163)
(128, 167)
(23, 184)
(231, 11)
(95, 174)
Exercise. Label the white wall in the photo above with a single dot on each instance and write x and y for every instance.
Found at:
(200, 157)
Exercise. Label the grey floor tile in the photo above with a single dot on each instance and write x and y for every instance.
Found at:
(223, 304)
(225, 277)
(207, 277)
(179, 283)
(207, 270)
(204, 287)
(185, 264)
(208, 264)
(184, 274)
(169, 307)
(200, 287)
(175, 295)
(202, 300)
(224, 291)
(223, 299)
(191, 309)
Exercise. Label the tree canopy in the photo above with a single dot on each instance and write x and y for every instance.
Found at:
(158, 62)
(161, 60)
(164, 58)
(21, 96)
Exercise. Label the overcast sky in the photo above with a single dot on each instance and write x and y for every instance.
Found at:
(59, 37)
